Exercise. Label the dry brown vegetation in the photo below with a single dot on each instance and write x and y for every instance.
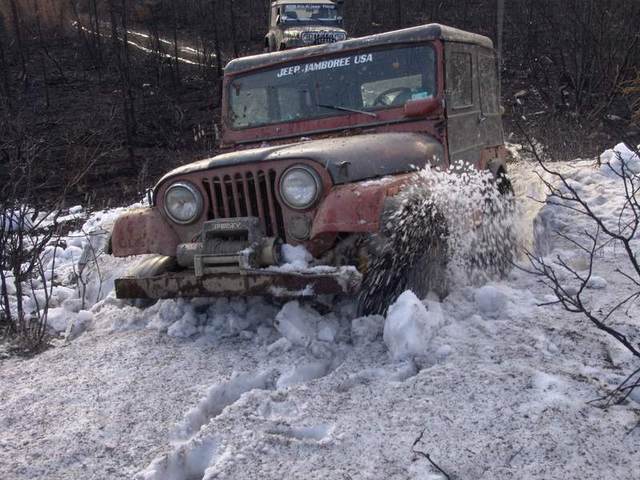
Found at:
(66, 70)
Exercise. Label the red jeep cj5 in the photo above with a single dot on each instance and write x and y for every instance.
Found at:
(318, 142)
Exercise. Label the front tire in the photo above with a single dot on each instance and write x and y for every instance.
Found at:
(410, 253)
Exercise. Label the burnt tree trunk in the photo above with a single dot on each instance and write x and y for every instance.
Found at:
(19, 41)
(4, 66)
(234, 33)
(175, 43)
(122, 62)
(216, 37)
(43, 58)
(96, 31)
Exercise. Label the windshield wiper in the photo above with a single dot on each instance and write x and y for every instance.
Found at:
(347, 109)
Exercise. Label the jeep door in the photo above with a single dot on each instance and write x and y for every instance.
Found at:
(491, 117)
(474, 122)
(462, 101)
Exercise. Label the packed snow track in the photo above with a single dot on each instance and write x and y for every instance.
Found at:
(245, 389)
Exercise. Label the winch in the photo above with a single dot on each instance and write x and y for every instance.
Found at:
(230, 245)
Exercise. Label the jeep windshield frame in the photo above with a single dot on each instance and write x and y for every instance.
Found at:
(331, 91)
(294, 13)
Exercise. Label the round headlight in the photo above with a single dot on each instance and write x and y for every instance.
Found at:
(300, 187)
(183, 203)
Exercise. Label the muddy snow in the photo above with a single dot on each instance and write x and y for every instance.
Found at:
(244, 389)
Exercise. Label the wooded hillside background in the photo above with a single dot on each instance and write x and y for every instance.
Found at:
(112, 87)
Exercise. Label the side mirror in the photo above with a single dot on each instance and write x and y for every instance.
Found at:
(421, 107)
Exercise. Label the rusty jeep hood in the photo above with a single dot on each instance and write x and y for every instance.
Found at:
(348, 159)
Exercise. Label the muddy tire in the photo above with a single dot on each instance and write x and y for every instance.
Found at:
(409, 254)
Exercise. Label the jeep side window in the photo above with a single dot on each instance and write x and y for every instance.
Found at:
(459, 80)
(488, 83)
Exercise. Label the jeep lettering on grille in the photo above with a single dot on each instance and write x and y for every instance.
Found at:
(226, 226)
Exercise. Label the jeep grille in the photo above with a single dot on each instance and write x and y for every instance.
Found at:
(249, 193)
(317, 38)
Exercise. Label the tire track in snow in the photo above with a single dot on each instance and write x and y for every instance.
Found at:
(218, 397)
(196, 451)
(193, 454)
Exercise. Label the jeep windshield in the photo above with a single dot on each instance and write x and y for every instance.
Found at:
(305, 12)
(362, 82)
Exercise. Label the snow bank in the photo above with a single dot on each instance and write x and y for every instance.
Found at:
(251, 318)
(16, 220)
(82, 274)
(410, 326)
(618, 158)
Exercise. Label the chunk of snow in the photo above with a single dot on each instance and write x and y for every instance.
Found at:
(490, 301)
(295, 258)
(367, 329)
(57, 319)
(614, 160)
(327, 329)
(186, 327)
(187, 461)
(304, 373)
(410, 328)
(60, 294)
(596, 283)
(10, 284)
(297, 323)
(84, 316)
(317, 434)
(281, 345)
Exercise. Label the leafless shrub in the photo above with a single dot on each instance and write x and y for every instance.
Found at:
(25, 235)
(570, 284)
(31, 199)
(89, 271)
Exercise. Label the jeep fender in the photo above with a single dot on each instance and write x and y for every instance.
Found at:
(142, 231)
(356, 207)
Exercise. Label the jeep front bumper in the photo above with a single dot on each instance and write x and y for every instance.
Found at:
(261, 282)
(232, 257)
